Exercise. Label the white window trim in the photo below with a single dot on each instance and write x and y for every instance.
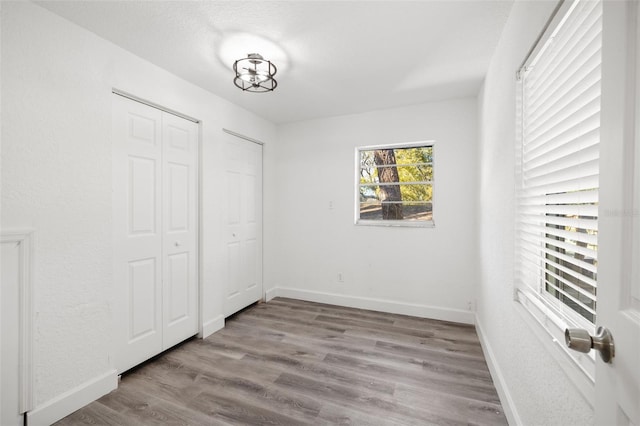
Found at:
(23, 240)
(391, 223)
(538, 309)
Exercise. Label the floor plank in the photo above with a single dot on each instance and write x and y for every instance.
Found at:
(291, 362)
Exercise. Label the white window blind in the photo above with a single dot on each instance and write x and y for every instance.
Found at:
(558, 155)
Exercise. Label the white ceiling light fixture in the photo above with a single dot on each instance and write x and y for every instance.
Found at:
(255, 74)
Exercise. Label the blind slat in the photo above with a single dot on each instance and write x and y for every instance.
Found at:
(571, 134)
(571, 222)
(560, 148)
(581, 211)
(534, 254)
(580, 171)
(580, 121)
(575, 197)
(584, 89)
(539, 241)
(572, 111)
(543, 231)
(563, 162)
(576, 184)
(530, 266)
(573, 299)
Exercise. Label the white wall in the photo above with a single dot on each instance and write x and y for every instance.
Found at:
(420, 271)
(56, 178)
(528, 376)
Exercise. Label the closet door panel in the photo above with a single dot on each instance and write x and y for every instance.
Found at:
(137, 210)
(243, 213)
(180, 238)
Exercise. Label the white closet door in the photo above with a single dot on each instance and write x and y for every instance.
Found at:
(137, 216)
(180, 307)
(155, 231)
(243, 275)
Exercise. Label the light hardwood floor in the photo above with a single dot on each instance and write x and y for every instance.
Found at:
(289, 362)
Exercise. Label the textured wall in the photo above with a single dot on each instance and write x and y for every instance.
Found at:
(541, 392)
(56, 177)
(426, 266)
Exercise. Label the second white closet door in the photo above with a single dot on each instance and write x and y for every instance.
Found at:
(243, 182)
(155, 230)
(179, 219)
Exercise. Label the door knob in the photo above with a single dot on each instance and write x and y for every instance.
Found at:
(579, 340)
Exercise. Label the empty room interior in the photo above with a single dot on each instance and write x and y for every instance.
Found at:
(320, 212)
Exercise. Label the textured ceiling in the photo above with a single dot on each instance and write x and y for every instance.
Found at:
(333, 57)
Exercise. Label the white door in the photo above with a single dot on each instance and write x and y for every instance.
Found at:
(618, 383)
(179, 256)
(243, 215)
(155, 231)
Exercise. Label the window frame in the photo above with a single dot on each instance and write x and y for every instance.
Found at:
(394, 223)
(548, 316)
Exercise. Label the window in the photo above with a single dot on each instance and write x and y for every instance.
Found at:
(395, 185)
(558, 152)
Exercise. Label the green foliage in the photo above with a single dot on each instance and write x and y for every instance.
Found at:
(418, 167)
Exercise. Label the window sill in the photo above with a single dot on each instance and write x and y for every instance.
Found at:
(396, 223)
(549, 330)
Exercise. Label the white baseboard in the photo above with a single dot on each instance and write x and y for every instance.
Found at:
(211, 326)
(65, 404)
(510, 411)
(270, 294)
(413, 309)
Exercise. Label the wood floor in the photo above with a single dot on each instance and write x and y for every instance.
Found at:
(289, 362)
